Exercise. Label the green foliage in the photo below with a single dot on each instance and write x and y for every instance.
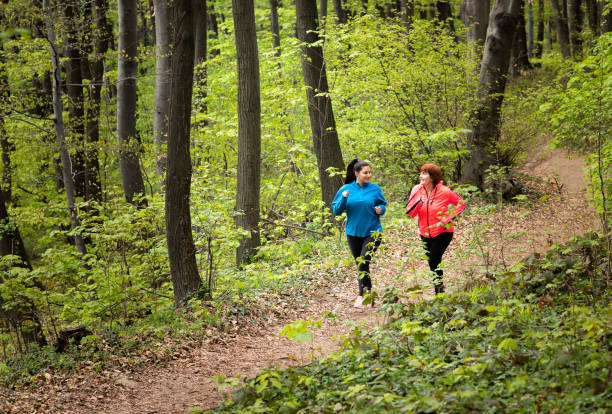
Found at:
(498, 349)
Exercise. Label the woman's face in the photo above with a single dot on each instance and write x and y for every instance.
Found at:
(364, 175)
(425, 178)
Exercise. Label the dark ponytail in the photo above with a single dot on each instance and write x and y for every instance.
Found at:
(354, 167)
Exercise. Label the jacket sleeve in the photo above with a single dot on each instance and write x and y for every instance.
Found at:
(339, 203)
(414, 201)
(457, 207)
(380, 202)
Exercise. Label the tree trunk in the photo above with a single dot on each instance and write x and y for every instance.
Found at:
(249, 128)
(575, 27)
(21, 317)
(475, 15)
(407, 7)
(444, 14)
(593, 17)
(181, 249)
(75, 102)
(539, 47)
(606, 21)
(322, 10)
(485, 118)
(324, 135)
(6, 146)
(341, 15)
(530, 30)
(93, 186)
(275, 28)
(145, 37)
(129, 143)
(162, 85)
(562, 30)
(58, 111)
(520, 55)
(214, 26)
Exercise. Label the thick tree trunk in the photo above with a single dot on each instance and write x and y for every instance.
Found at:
(58, 112)
(324, 135)
(161, 104)
(275, 28)
(341, 15)
(575, 27)
(129, 143)
(75, 102)
(249, 128)
(562, 30)
(181, 249)
(520, 55)
(475, 15)
(485, 119)
(593, 17)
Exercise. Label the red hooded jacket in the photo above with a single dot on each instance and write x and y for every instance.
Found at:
(436, 212)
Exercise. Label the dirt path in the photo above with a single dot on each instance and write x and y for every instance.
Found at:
(186, 381)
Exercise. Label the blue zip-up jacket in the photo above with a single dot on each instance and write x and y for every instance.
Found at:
(362, 220)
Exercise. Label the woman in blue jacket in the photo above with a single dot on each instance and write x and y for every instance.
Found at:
(364, 203)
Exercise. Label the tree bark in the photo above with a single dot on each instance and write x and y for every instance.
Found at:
(161, 104)
(129, 143)
(407, 7)
(181, 249)
(275, 28)
(530, 30)
(485, 119)
(475, 15)
(562, 30)
(341, 15)
(444, 14)
(593, 17)
(539, 47)
(6, 146)
(575, 27)
(75, 102)
(58, 111)
(324, 134)
(520, 54)
(214, 27)
(249, 128)
(322, 10)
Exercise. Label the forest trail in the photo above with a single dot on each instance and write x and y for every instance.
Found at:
(188, 380)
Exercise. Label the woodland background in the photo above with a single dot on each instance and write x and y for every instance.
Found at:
(164, 163)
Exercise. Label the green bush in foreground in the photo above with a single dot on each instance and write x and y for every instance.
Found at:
(539, 341)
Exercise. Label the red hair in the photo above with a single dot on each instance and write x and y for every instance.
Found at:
(434, 172)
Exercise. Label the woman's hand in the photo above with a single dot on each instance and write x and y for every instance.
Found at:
(378, 209)
(345, 193)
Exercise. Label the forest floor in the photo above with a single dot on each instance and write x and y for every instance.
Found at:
(187, 380)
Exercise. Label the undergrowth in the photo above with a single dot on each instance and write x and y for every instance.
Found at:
(537, 341)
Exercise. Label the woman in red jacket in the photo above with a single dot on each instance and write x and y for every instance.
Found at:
(436, 205)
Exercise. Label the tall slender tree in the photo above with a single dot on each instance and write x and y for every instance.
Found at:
(249, 128)
(520, 55)
(322, 123)
(127, 72)
(485, 119)
(181, 249)
(340, 11)
(6, 147)
(539, 46)
(560, 14)
(58, 114)
(161, 103)
(274, 27)
(575, 16)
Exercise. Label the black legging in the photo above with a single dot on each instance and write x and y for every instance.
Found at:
(435, 248)
(364, 248)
